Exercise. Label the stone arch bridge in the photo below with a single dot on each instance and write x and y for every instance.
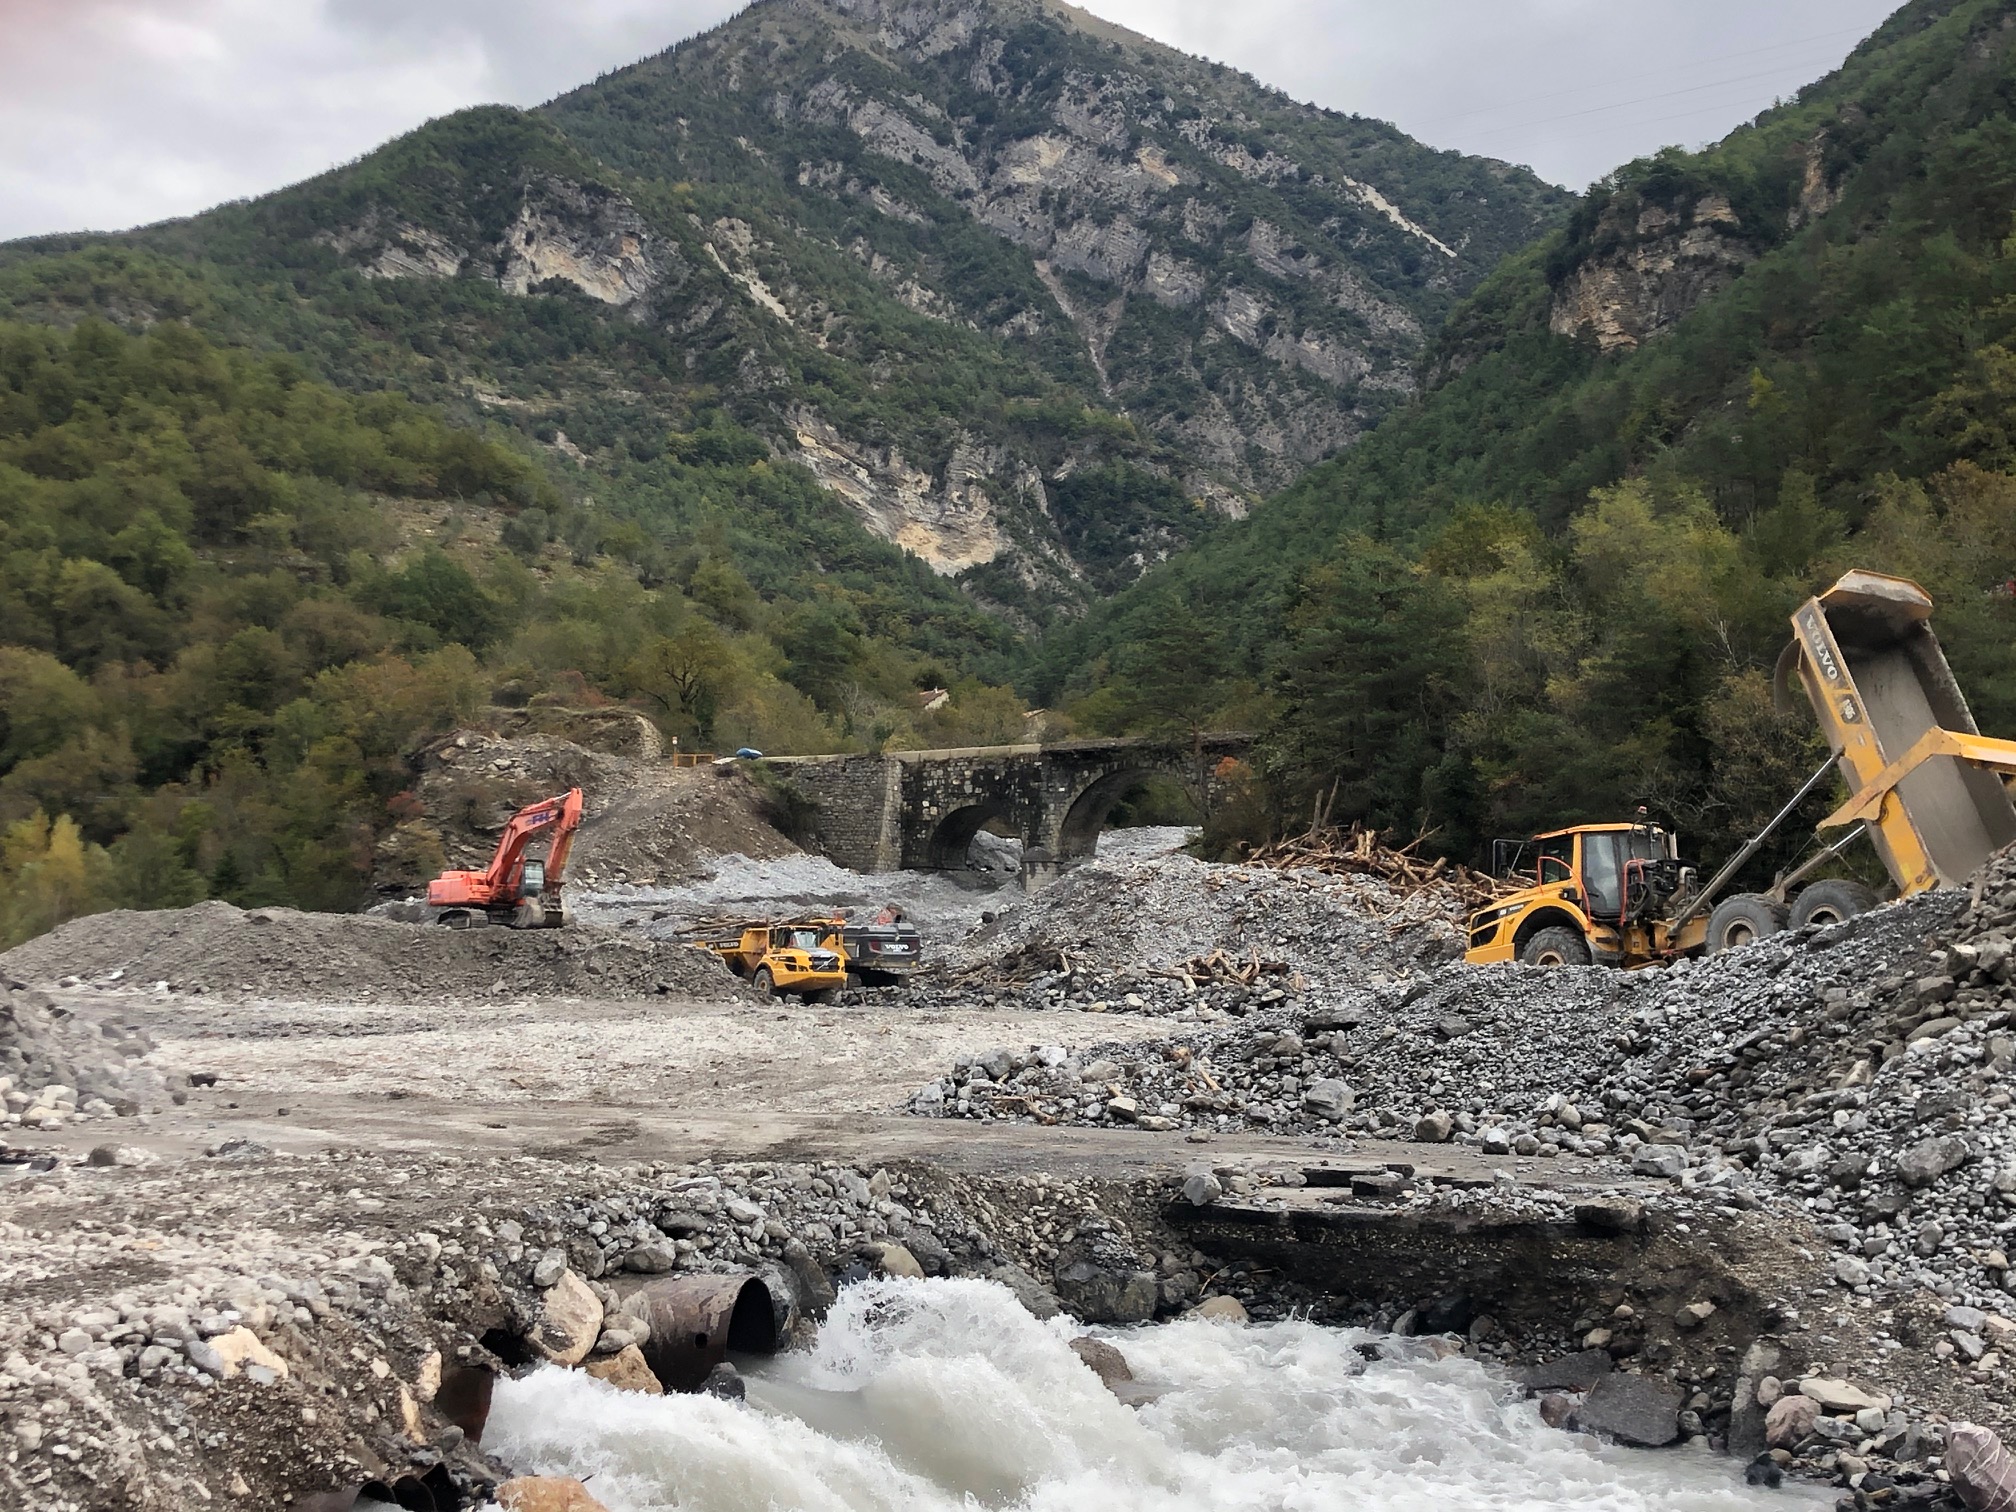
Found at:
(919, 810)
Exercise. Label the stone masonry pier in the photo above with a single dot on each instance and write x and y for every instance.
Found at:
(919, 810)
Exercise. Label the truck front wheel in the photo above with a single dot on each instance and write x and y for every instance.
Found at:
(1741, 920)
(1555, 947)
(1830, 902)
(764, 982)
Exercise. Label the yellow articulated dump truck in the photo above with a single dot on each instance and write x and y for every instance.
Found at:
(1927, 789)
(791, 959)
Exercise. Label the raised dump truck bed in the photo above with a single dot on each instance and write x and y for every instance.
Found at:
(1928, 789)
(1927, 783)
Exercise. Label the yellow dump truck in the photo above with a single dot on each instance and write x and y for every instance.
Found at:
(1927, 789)
(795, 958)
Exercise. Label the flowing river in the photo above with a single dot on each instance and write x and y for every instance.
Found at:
(941, 1396)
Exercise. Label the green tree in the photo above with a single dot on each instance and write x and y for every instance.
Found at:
(1369, 689)
(687, 674)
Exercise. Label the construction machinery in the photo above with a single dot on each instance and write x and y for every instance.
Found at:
(517, 890)
(878, 955)
(798, 957)
(1927, 789)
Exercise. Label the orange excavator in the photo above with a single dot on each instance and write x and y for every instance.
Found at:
(514, 890)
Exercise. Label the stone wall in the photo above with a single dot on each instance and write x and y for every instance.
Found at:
(919, 810)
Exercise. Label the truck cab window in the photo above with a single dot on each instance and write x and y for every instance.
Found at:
(1556, 861)
(1603, 874)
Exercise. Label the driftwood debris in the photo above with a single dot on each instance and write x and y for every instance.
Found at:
(1359, 852)
(1220, 967)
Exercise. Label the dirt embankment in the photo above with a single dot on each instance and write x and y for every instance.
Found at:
(648, 821)
(216, 950)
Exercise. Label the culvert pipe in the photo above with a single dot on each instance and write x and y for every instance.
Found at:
(696, 1320)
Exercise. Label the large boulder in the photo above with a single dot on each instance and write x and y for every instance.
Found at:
(1929, 1159)
(1329, 1099)
(1221, 1309)
(1030, 1292)
(626, 1371)
(1576, 1372)
(546, 1493)
(1632, 1410)
(1983, 1472)
(1790, 1421)
(1097, 1294)
(1840, 1397)
(1103, 1360)
(568, 1322)
(892, 1259)
(241, 1349)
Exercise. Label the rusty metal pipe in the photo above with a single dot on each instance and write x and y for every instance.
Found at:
(696, 1320)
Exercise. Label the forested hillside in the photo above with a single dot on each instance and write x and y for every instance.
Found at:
(822, 359)
(852, 350)
(232, 600)
(1552, 588)
(1039, 300)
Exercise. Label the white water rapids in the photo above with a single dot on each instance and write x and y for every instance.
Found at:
(940, 1396)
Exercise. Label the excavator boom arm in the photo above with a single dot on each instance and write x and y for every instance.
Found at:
(509, 862)
(501, 881)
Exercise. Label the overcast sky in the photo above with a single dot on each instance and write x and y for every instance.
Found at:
(119, 112)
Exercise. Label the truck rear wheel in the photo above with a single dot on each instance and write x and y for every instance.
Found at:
(1830, 902)
(764, 982)
(1558, 946)
(1741, 920)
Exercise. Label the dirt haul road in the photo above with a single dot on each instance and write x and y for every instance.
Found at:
(493, 1074)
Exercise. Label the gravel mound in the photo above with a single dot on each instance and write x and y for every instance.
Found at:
(280, 953)
(1687, 1054)
(69, 1059)
(1142, 916)
(647, 821)
(1861, 1072)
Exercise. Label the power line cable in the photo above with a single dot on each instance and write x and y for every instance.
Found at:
(1670, 94)
(1661, 74)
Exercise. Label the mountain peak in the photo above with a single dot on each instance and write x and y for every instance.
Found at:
(1039, 298)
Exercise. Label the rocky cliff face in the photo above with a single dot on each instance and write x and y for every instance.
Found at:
(1656, 265)
(581, 234)
(945, 253)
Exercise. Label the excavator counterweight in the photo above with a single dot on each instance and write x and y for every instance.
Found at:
(514, 889)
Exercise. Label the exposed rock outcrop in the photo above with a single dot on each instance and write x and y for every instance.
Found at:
(948, 519)
(586, 236)
(1662, 264)
(582, 234)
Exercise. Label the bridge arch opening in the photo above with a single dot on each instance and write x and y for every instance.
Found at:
(952, 840)
(1085, 820)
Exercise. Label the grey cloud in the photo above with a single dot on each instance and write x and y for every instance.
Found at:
(118, 112)
(1531, 81)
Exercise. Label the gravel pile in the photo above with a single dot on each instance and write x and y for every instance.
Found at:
(56, 1065)
(1584, 1060)
(1125, 923)
(1860, 1071)
(214, 948)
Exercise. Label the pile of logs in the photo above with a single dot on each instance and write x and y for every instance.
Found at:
(1359, 852)
(1220, 967)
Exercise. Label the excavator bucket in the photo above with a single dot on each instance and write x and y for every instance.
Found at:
(1926, 782)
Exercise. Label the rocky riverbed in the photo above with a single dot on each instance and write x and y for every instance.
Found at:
(268, 1167)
